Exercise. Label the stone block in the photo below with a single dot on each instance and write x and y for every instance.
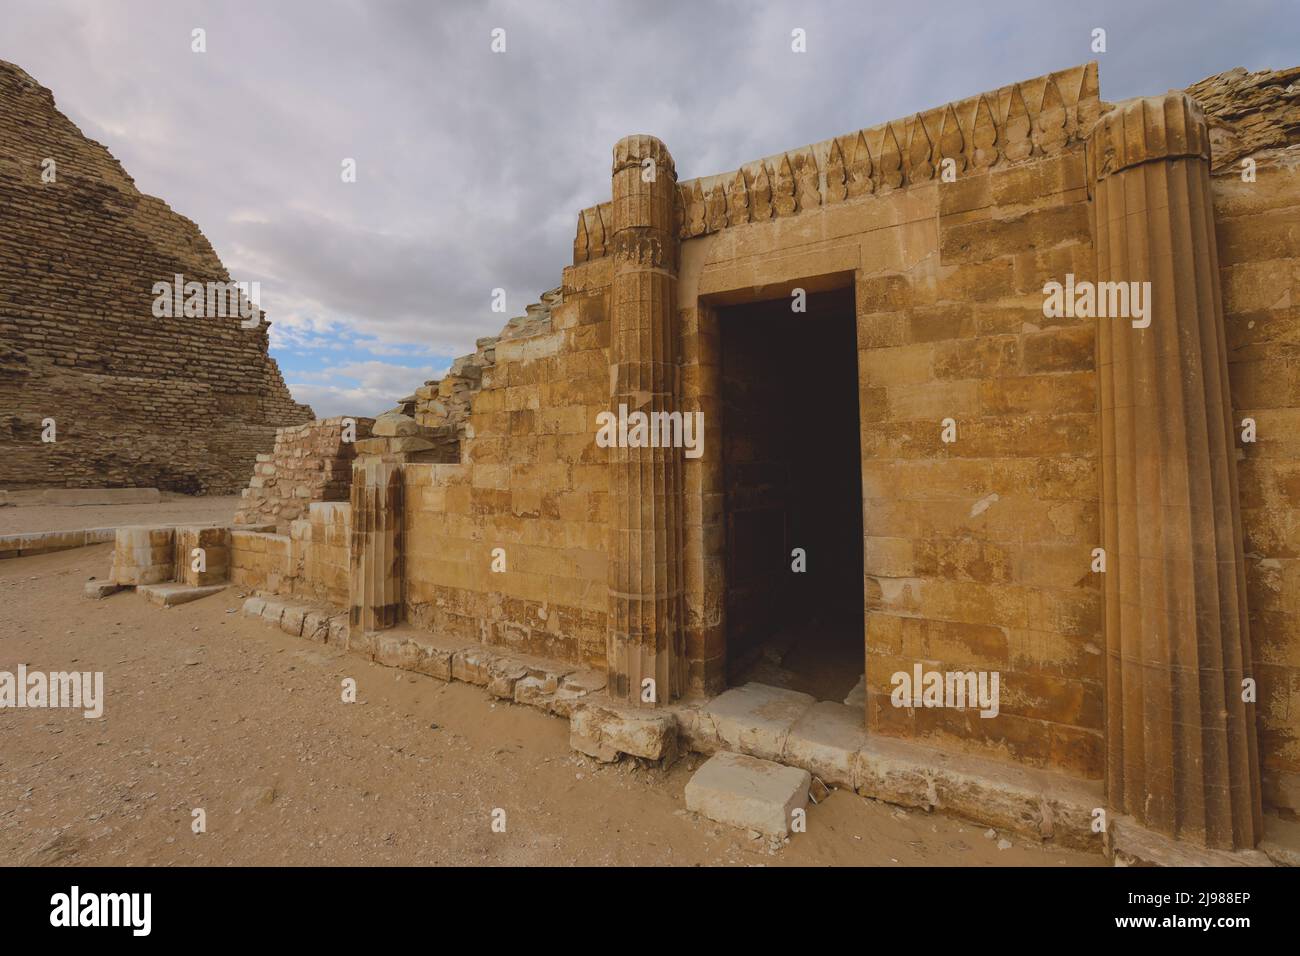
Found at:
(503, 674)
(1041, 803)
(171, 594)
(100, 496)
(599, 729)
(272, 611)
(143, 555)
(755, 718)
(391, 425)
(338, 632)
(100, 589)
(316, 626)
(472, 664)
(433, 661)
(395, 650)
(748, 793)
(215, 546)
(533, 692)
(826, 740)
(291, 620)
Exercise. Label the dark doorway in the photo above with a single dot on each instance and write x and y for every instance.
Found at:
(793, 479)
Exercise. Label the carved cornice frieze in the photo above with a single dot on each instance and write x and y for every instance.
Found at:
(1015, 124)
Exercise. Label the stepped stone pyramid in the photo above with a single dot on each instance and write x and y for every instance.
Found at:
(179, 403)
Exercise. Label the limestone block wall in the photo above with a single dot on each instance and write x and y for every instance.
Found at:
(259, 560)
(177, 403)
(448, 400)
(977, 552)
(310, 562)
(309, 462)
(214, 544)
(1258, 230)
(532, 483)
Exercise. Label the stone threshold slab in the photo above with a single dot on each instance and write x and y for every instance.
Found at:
(171, 594)
(830, 741)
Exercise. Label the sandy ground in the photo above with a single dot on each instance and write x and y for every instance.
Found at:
(207, 709)
(173, 509)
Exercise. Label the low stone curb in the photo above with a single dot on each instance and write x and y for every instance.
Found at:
(531, 681)
(43, 542)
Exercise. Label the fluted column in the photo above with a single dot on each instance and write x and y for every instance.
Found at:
(645, 567)
(1181, 754)
(375, 550)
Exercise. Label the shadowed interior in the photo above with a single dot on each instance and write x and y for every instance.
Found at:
(792, 479)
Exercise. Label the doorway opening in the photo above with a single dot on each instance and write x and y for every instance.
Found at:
(792, 479)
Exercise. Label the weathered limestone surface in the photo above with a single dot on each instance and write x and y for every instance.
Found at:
(646, 639)
(547, 685)
(530, 497)
(42, 542)
(310, 562)
(1256, 224)
(1181, 752)
(604, 731)
(825, 740)
(214, 544)
(749, 793)
(143, 555)
(448, 401)
(375, 554)
(1248, 112)
(182, 404)
(755, 719)
(173, 594)
(310, 462)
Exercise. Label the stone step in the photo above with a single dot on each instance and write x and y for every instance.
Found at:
(171, 594)
(748, 793)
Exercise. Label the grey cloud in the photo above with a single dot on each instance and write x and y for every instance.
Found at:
(472, 166)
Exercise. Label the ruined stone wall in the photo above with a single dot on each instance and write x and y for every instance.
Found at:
(178, 403)
(448, 400)
(310, 562)
(1258, 233)
(308, 463)
(978, 553)
(533, 483)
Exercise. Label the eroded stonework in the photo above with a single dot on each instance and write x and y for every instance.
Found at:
(1070, 502)
(176, 403)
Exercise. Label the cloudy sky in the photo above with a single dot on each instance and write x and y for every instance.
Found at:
(471, 165)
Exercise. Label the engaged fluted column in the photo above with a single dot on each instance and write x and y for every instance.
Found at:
(1181, 755)
(645, 567)
(375, 552)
